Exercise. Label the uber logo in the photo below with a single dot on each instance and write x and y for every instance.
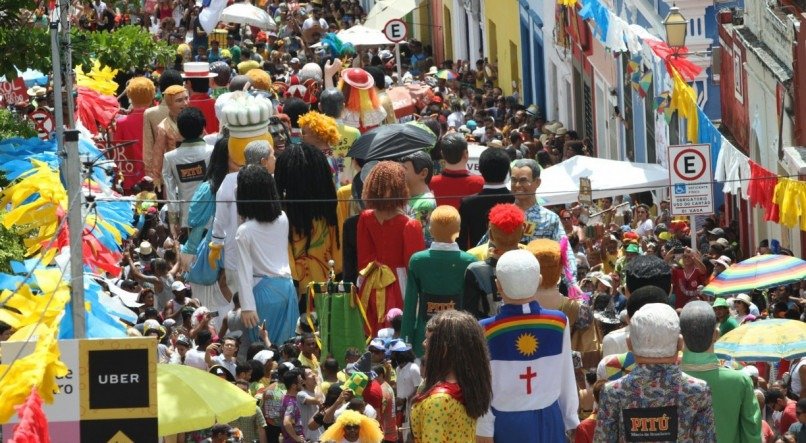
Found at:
(118, 378)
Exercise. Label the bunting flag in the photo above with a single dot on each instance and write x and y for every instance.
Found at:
(596, 11)
(33, 424)
(35, 298)
(684, 101)
(675, 59)
(567, 3)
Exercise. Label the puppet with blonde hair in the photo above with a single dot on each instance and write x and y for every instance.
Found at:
(319, 130)
(362, 108)
(168, 136)
(553, 265)
(128, 128)
(436, 277)
(387, 238)
(353, 427)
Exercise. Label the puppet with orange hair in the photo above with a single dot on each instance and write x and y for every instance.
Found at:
(129, 129)
(353, 427)
(362, 107)
(387, 238)
(436, 277)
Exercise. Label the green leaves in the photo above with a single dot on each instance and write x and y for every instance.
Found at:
(12, 126)
(129, 47)
(11, 247)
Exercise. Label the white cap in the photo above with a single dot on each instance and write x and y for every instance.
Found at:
(264, 356)
(518, 272)
(654, 331)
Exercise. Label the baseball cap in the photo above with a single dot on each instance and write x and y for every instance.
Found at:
(471, 124)
(178, 286)
(264, 356)
(717, 231)
(724, 260)
(720, 303)
(632, 247)
(294, 60)
(183, 340)
(721, 242)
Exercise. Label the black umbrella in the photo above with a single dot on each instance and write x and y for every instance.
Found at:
(392, 141)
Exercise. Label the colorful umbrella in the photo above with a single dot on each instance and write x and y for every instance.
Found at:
(764, 340)
(759, 272)
(213, 400)
(447, 74)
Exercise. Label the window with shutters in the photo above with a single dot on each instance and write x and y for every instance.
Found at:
(587, 97)
(649, 102)
(629, 139)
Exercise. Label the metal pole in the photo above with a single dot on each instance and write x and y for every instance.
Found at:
(399, 66)
(64, 19)
(75, 221)
(693, 232)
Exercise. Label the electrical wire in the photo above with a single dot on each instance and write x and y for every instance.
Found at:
(350, 200)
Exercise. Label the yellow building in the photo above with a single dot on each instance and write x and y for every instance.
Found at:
(503, 41)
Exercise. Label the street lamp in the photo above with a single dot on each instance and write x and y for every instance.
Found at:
(676, 27)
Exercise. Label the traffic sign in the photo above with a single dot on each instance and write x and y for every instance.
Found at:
(691, 179)
(395, 30)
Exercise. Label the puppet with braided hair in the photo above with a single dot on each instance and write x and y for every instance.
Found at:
(387, 239)
(303, 173)
(352, 426)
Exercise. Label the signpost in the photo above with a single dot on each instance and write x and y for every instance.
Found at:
(691, 181)
(117, 401)
(395, 30)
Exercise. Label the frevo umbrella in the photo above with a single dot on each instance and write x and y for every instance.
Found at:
(764, 340)
(386, 10)
(392, 141)
(759, 272)
(246, 14)
(189, 399)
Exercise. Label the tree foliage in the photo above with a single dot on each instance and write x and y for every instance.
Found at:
(14, 126)
(11, 247)
(24, 46)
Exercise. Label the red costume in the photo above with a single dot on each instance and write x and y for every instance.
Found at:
(129, 158)
(389, 245)
(206, 105)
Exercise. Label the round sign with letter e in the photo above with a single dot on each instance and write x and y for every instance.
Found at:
(395, 30)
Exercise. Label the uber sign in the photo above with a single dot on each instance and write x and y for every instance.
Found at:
(119, 379)
(119, 403)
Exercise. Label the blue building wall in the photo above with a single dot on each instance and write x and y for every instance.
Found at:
(533, 66)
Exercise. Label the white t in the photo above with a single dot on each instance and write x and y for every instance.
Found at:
(262, 252)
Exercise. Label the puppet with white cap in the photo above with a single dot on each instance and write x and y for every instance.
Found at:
(534, 390)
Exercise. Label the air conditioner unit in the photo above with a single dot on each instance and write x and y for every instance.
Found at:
(795, 160)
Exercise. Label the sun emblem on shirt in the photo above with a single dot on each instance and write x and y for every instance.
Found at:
(526, 344)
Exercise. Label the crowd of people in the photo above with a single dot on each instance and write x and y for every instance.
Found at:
(488, 315)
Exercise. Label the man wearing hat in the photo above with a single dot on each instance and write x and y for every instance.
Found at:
(197, 77)
(736, 413)
(173, 309)
(535, 397)
(656, 401)
(724, 320)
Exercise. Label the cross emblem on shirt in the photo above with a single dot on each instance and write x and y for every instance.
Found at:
(528, 376)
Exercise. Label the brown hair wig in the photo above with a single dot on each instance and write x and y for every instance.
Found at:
(385, 188)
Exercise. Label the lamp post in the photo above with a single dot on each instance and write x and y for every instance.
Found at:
(676, 29)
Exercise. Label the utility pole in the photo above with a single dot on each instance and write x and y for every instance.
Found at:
(67, 147)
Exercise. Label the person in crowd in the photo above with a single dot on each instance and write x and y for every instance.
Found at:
(387, 239)
(736, 413)
(197, 81)
(776, 400)
(266, 290)
(455, 181)
(526, 340)
(656, 401)
(352, 426)
(688, 273)
(436, 277)
(473, 210)
(457, 385)
(587, 427)
(724, 320)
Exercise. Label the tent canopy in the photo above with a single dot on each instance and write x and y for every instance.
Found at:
(609, 178)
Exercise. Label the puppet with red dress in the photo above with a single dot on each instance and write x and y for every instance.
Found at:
(387, 238)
